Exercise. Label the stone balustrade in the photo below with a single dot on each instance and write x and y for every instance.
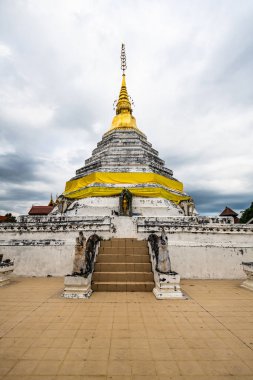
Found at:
(57, 224)
(194, 224)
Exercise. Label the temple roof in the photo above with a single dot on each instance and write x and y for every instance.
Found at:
(40, 210)
(228, 212)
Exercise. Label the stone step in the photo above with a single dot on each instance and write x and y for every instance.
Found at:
(128, 243)
(122, 276)
(116, 258)
(123, 250)
(123, 267)
(123, 286)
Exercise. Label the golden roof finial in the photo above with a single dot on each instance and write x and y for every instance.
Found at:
(51, 203)
(123, 104)
(123, 59)
(123, 118)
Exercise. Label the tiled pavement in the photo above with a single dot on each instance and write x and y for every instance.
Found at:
(125, 335)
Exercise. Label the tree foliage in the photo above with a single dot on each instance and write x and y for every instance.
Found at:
(9, 218)
(247, 214)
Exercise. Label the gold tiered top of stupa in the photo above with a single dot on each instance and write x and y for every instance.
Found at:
(124, 117)
(124, 159)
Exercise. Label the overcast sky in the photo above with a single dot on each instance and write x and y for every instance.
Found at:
(190, 66)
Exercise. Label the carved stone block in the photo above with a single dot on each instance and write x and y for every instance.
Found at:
(5, 273)
(77, 287)
(168, 286)
(248, 270)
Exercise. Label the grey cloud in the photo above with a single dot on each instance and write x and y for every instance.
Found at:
(17, 168)
(177, 161)
(22, 194)
(214, 202)
(75, 114)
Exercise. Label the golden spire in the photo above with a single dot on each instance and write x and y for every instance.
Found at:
(51, 203)
(123, 118)
(123, 104)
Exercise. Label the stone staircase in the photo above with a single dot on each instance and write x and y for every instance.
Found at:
(123, 265)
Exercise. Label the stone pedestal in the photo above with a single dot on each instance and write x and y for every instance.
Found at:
(248, 270)
(168, 286)
(77, 287)
(5, 273)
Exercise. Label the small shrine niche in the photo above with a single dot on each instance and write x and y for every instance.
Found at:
(125, 203)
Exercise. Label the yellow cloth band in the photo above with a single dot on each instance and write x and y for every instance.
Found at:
(92, 186)
(150, 192)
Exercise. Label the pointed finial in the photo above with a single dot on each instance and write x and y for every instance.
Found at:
(123, 59)
(123, 106)
(51, 203)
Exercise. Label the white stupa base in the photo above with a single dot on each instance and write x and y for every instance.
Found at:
(168, 286)
(77, 287)
(107, 206)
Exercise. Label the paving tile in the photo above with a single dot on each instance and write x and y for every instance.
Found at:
(182, 354)
(35, 353)
(122, 342)
(47, 367)
(81, 343)
(23, 342)
(120, 354)
(144, 377)
(32, 377)
(190, 367)
(119, 367)
(55, 354)
(140, 354)
(24, 367)
(71, 368)
(143, 367)
(77, 354)
(6, 366)
(237, 368)
(12, 353)
(126, 335)
(69, 377)
(95, 367)
(98, 354)
(166, 368)
(119, 377)
(59, 342)
(42, 342)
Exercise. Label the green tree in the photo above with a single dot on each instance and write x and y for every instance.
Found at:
(247, 214)
(10, 218)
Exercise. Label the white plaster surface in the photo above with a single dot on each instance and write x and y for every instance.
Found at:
(41, 261)
(208, 262)
(212, 251)
(102, 206)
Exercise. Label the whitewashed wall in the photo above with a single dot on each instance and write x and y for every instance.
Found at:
(204, 252)
(41, 261)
